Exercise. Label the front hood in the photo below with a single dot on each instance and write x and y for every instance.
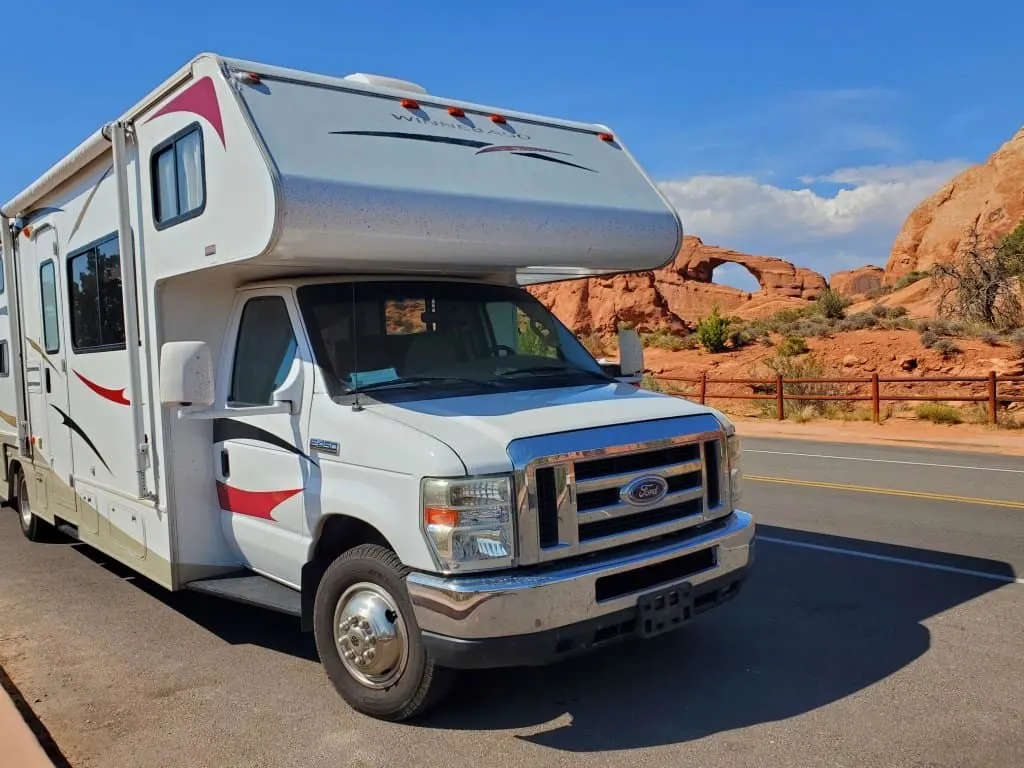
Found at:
(480, 427)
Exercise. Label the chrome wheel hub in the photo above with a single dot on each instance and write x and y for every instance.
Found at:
(370, 635)
(24, 508)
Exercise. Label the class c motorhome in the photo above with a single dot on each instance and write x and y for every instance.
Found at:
(266, 336)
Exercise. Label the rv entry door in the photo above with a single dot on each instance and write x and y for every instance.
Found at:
(52, 424)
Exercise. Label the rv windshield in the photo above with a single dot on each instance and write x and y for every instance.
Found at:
(446, 337)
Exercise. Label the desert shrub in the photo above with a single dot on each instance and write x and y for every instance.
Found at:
(901, 323)
(663, 338)
(713, 331)
(909, 279)
(946, 348)
(858, 322)
(792, 346)
(929, 338)
(944, 327)
(789, 367)
(1017, 340)
(991, 338)
(650, 383)
(877, 293)
(938, 413)
(880, 311)
(831, 305)
(593, 343)
(740, 337)
(898, 312)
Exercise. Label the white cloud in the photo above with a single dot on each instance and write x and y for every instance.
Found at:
(825, 229)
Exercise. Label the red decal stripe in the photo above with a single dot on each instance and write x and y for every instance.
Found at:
(253, 503)
(113, 395)
(200, 99)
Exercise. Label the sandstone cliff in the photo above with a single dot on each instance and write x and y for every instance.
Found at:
(990, 195)
(856, 282)
(678, 295)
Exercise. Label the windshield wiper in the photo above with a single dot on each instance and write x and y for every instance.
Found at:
(548, 370)
(414, 380)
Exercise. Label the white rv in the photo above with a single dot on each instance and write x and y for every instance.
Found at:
(268, 338)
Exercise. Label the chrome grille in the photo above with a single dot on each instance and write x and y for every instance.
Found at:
(572, 501)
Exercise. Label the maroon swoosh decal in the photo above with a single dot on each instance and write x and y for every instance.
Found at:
(258, 504)
(200, 98)
(113, 395)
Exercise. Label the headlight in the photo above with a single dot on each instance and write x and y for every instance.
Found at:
(468, 522)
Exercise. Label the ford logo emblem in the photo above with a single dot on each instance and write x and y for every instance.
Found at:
(644, 491)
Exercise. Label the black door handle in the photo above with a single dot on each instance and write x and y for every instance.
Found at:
(47, 375)
(225, 464)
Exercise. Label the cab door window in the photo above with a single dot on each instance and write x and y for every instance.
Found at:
(265, 352)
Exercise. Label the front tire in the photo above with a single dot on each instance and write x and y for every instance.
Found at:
(369, 643)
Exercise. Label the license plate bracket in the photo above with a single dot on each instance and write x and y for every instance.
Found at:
(663, 610)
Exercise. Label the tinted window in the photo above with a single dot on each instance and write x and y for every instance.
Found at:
(48, 294)
(265, 352)
(179, 182)
(97, 304)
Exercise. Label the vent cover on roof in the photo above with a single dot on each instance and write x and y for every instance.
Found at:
(386, 82)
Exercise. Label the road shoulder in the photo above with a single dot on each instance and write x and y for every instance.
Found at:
(964, 437)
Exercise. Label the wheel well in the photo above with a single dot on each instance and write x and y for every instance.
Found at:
(338, 534)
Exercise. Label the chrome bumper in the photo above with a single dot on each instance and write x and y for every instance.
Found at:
(520, 603)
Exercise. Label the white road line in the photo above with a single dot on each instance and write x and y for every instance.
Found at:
(888, 559)
(887, 461)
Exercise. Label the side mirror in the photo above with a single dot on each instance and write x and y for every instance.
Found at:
(631, 353)
(186, 374)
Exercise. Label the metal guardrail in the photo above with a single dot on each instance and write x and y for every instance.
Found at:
(774, 389)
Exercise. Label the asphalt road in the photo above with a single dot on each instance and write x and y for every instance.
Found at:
(878, 629)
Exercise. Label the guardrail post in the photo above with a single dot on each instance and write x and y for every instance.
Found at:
(780, 401)
(703, 387)
(993, 404)
(875, 415)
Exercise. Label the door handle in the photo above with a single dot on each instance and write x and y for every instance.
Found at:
(47, 377)
(225, 464)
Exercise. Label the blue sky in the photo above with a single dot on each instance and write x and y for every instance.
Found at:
(797, 128)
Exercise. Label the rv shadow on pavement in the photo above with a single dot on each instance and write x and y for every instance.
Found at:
(810, 628)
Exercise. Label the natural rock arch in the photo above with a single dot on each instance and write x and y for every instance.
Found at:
(776, 277)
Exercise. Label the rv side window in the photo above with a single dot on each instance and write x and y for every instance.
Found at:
(97, 304)
(48, 295)
(179, 178)
(5, 368)
(265, 351)
(3, 277)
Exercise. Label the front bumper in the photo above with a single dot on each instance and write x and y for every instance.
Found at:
(538, 615)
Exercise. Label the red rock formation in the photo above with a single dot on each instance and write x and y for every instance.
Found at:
(990, 195)
(678, 295)
(857, 282)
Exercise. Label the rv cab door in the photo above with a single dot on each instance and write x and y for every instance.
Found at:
(260, 462)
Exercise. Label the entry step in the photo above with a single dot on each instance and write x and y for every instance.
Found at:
(253, 589)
